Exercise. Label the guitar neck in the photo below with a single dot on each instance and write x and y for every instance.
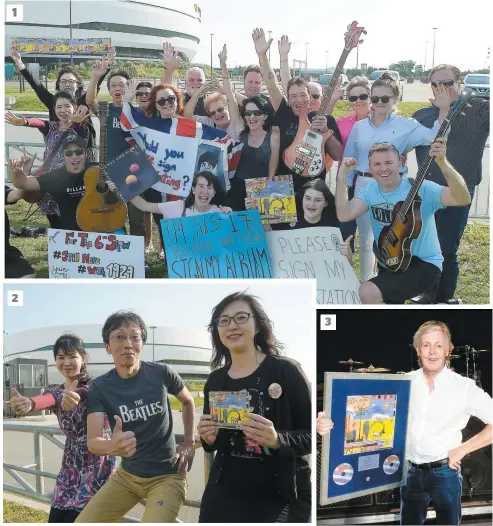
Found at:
(333, 83)
(102, 149)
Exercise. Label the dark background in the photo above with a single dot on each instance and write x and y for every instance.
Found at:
(382, 338)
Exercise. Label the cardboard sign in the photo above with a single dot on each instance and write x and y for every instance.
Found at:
(312, 253)
(216, 246)
(73, 254)
(275, 198)
(132, 173)
(228, 408)
(61, 46)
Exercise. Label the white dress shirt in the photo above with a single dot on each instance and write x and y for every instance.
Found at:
(436, 418)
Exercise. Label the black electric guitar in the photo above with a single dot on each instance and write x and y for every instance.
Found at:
(394, 242)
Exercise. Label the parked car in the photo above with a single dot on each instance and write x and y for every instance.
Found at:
(395, 75)
(479, 82)
(325, 79)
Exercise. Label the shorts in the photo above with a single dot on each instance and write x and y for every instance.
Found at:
(397, 287)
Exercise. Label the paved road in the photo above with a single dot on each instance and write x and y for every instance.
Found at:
(18, 449)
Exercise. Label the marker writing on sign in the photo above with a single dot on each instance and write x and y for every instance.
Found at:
(337, 297)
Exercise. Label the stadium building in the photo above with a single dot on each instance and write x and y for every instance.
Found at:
(137, 28)
(188, 352)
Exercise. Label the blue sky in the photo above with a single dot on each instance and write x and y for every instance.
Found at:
(290, 305)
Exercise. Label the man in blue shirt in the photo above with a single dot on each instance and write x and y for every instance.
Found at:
(465, 148)
(379, 197)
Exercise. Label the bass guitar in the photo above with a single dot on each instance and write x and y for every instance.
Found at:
(306, 155)
(393, 248)
(100, 210)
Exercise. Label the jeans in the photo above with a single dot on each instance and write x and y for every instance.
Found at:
(451, 223)
(442, 485)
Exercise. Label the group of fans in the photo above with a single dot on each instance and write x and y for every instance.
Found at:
(369, 145)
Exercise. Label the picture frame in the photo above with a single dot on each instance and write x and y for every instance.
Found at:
(366, 450)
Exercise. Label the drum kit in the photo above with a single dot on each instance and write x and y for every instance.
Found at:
(466, 352)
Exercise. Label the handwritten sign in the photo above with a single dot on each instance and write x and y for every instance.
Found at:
(61, 46)
(216, 246)
(275, 198)
(73, 254)
(312, 253)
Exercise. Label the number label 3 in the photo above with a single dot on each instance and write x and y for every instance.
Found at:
(327, 322)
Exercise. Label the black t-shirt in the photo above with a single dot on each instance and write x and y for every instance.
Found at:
(329, 218)
(288, 125)
(67, 190)
(115, 136)
(199, 107)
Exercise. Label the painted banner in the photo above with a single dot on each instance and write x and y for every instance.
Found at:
(275, 198)
(312, 253)
(177, 148)
(73, 254)
(216, 246)
(61, 46)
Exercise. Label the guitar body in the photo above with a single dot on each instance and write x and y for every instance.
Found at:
(394, 242)
(306, 155)
(99, 210)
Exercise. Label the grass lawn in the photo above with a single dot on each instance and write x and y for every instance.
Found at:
(14, 512)
(176, 404)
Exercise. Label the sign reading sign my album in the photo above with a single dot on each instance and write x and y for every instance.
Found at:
(228, 408)
(366, 449)
(74, 254)
(216, 246)
(275, 198)
(312, 253)
(61, 46)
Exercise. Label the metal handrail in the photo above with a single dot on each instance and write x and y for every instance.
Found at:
(38, 493)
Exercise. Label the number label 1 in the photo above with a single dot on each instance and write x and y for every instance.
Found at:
(327, 322)
(15, 298)
(14, 13)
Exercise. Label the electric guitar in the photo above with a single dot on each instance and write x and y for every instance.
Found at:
(100, 210)
(394, 242)
(306, 155)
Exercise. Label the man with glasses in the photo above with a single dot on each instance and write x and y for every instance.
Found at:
(465, 147)
(134, 397)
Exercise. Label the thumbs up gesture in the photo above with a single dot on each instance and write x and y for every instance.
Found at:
(124, 442)
(20, 404)
(70, 398)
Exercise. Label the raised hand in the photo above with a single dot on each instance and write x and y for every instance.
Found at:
(124, 442)
(111, 55)
(284, 46)
(70, 399)
(171, 59)
(207, 430)
(261, 44)
(20, 404)
(347, 165)
(23, 164)
(98, 69)
(11, 118)
(184, 455)
(16, 57)
(129, 91)
(442, 98)
(261, 430)
(80, 115)
(223, 55)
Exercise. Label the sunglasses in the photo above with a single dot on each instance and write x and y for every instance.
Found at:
(142, 93)
(69, 153)
(354, 98)
(168, 100)
(376, 99)
(256, 113)
(315, 96)
(447, 83)
(219, 110)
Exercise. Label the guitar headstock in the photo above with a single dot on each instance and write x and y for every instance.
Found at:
(103, 111)
(352, 37)
(462, 102)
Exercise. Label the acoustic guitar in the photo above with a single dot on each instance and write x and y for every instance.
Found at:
(394, 242)
(306, 155)
(100, 210)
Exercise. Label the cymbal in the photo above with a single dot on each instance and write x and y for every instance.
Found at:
(372, 369)
(454, 356)
(350, 361)
(480, 350)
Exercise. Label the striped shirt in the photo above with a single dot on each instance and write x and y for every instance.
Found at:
(465, 144)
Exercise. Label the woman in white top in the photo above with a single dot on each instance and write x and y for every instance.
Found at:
(205, 197)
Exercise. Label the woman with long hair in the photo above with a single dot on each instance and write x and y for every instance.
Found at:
(82, 473)
(261, 468)
(384, 125)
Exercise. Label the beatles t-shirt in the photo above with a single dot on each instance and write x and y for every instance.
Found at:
(115, 136)
(142, 404)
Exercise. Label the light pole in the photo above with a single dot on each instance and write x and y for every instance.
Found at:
(153, 327)
(306, 58)
(212, 34)
(426, 54)
(270, 35)
(357, 55)
(434, 38)
(70, 22)
(326, 62)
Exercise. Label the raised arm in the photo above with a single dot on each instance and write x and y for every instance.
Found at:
(98, 70)
(171, 63)
(284, 47)
(189, 109)
(261, 47)
(275, 146)
(234, 110)
(19, 173)
(145, 206)
(347, 210)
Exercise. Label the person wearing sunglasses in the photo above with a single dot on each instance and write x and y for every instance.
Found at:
(134, 396)
(465, 148)
(252, 124)
(383, 124)
(143, 90)
(261, 471)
